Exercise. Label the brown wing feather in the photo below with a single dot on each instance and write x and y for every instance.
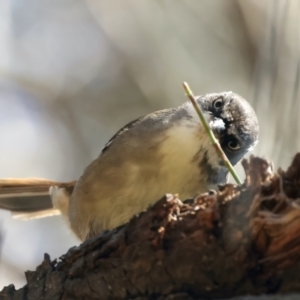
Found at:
(120, 131)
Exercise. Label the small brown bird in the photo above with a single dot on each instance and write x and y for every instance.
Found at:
(167, 151)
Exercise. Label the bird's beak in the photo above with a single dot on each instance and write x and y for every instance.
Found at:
(218, 126)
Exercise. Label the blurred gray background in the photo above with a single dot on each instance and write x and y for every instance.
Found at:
(73, 72)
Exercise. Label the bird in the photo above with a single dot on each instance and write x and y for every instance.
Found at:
(167, 151)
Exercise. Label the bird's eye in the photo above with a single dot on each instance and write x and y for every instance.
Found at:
(233, 145)
(218, 103)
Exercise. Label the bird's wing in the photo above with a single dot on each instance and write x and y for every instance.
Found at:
(121, 131)
(29, 198)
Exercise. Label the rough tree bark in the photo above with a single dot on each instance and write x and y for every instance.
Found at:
(236, 241)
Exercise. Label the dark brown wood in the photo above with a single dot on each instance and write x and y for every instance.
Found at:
(236, 241)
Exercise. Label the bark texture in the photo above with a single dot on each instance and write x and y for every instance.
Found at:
(236, 241)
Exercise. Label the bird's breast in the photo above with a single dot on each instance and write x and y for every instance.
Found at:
(188, 159)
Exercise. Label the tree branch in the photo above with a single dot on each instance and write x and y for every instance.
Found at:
(240, 240)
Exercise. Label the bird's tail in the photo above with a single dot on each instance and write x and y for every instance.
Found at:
(30, 198)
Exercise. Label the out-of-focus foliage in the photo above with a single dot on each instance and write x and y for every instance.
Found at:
(73, 72)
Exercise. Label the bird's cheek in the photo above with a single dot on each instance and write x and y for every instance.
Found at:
(235, 157)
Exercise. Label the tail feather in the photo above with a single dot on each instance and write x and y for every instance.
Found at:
(19, 215)
(30, 198)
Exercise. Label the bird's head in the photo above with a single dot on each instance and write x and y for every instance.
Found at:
(233, 121)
